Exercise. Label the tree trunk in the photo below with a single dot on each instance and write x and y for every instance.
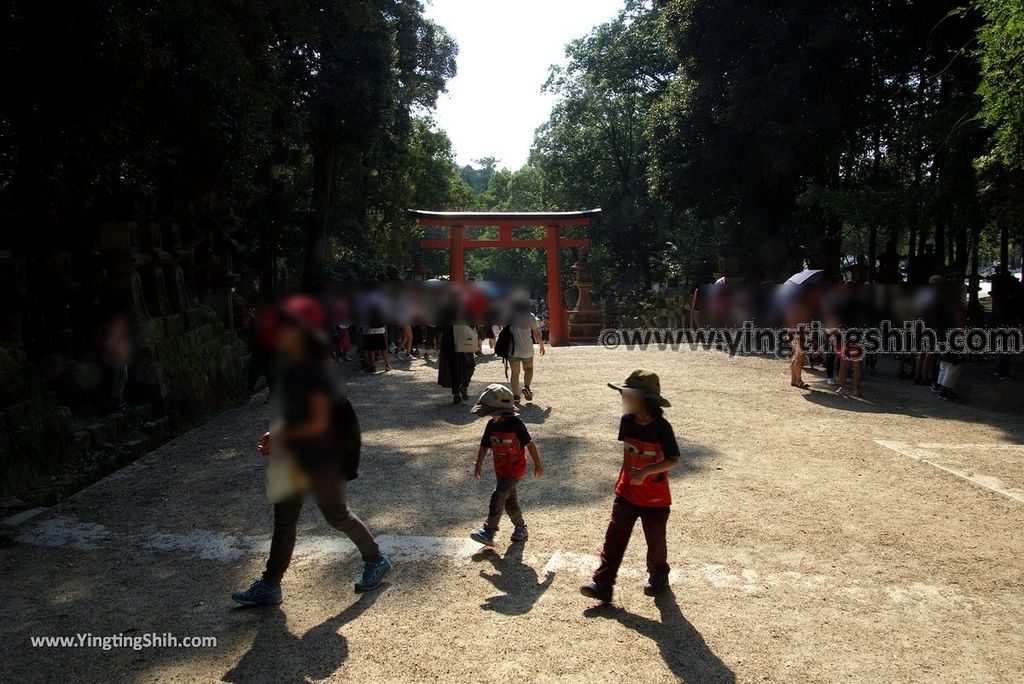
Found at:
(976, 313)
(268, 226)
(313, 276)
(950, 251)
(833, 246)
(891, 267)
(833, 255)
(961, 251)
(872, 253)
(1004, 245)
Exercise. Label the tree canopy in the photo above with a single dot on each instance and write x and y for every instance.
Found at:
(1001, 52)
(717, 135)
(314, 111)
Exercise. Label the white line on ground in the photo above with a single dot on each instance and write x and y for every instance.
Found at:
(928, 455)
(973, 447)
(66, 532)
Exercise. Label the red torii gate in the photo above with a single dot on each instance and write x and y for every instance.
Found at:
(456, 243)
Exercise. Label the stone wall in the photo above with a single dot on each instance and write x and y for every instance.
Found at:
(37, 441)
(188, 367)
(174, 281)
(189, 364)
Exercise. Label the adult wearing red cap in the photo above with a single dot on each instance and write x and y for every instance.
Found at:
(319, 431)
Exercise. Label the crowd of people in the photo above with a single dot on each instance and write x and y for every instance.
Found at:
(836, 318)
(431, 321)
(313, 441)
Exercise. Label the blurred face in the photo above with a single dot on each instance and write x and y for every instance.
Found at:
(290, 341)
(632, 401)
(119, 340)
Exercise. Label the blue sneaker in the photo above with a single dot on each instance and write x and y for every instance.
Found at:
(655, 585)
(374, 574)
(259, 593)
(483, 536)
(521, 533)
(599, 592)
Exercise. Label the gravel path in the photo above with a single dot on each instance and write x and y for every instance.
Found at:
(803, 550)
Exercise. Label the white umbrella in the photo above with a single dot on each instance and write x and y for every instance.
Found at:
(807, 277)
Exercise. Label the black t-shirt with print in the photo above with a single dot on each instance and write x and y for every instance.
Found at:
(658, 431)
(506, 424)
(643, 446)
(507, 438)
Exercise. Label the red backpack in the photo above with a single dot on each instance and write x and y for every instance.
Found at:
(509, 454)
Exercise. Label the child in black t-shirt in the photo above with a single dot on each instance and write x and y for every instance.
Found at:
(649, 452)
(508, 440)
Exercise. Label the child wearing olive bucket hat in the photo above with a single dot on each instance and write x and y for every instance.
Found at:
(641, 492)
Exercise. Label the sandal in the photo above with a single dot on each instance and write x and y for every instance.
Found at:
(800, 385)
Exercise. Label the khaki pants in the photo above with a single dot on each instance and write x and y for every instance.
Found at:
(517, 364)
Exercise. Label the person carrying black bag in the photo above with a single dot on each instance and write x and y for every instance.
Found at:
(319, 430)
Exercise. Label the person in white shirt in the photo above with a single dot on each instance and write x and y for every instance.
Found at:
(525, 331)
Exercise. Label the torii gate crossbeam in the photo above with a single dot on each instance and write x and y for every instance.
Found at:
(552, 242)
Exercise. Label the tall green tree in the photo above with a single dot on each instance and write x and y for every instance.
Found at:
(478, 174)
(300, 115)
(765, 98)
(521, 190)
(112, 109)
(1001, 38)
(805, 131)
(593, 149)
(906, 182)
(373, 64)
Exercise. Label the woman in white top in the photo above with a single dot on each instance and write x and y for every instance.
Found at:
(525, 330)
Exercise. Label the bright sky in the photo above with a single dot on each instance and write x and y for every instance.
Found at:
(494, 104)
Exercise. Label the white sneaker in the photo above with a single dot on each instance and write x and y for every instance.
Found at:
(832, 382)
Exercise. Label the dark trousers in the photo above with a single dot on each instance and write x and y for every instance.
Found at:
(830, 364)
(260, 363)
(620, 528)
(504, 499)
(328, 488)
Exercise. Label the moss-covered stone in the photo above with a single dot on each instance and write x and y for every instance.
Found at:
(38, 440)
(187, 366)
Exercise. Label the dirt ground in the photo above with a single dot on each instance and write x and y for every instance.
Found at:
(803, 550)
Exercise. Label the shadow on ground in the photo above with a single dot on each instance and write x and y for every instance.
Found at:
(519, 583)
(277, 655)
(682, 647)
(987, 401)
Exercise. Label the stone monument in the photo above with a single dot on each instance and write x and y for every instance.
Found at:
(584, 319)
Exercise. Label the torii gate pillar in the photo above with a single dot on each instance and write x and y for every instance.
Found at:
(559, 326)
